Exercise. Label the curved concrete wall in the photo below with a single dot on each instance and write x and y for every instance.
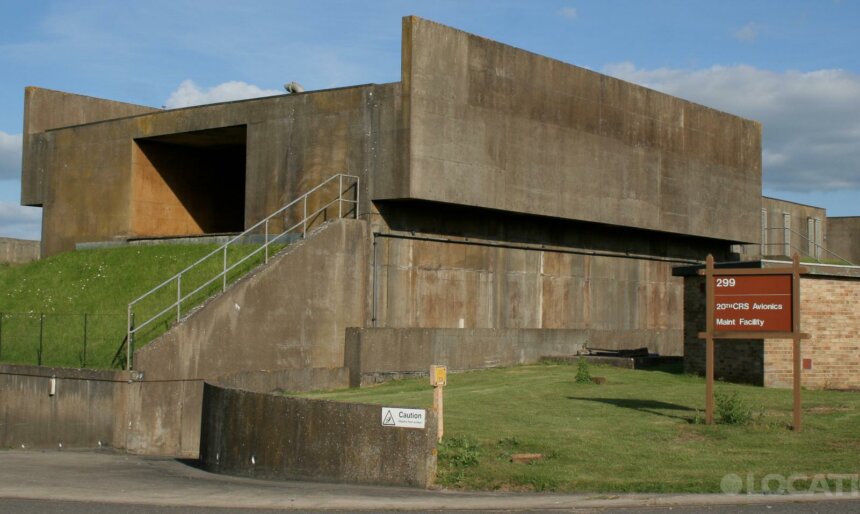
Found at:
(280, 437)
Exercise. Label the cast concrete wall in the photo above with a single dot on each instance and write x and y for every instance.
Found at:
(45, 109)
(829, 314)
(375, 355)
(774, 236)
(493, 126)
(293, 142)
(18, 251)
(616, 301)
(279, 437)
(86, 411)
(843, 237)
(290, 314)
(287, 380)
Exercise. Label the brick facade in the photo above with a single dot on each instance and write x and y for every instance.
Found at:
(830, 314)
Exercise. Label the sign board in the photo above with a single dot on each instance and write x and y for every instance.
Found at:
(438, 376)
(403, 418)
(752, 303)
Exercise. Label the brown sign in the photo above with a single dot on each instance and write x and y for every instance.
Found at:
(752, 303)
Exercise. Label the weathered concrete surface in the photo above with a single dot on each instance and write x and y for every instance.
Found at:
(843, 237)
(507, 129)
(807, 228)
(86, 411)
(290, 314)
(292, 143)
(286, 380)
(376, 355)
(18, 251)
(379, 354)
(45, 109)
(272, 436)
(163, 418)
(426, 283)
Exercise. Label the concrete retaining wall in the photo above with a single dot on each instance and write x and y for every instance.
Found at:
(85, 410)
(379, 354)
(279, 437)
(18, 251)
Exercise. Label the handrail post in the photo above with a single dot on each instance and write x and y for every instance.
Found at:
(266, 244)
(305, 217)
(340, 195)
(357, 193)
(128, 339)
(224, 272)
(178, 297)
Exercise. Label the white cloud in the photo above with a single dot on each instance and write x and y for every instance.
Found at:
(810, 120)
(188, 93)
(747, 33)
(20, 222)
(569, 13)
(10, 156)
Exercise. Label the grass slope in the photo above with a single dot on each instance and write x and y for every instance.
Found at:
(99, 283)
(636, 433)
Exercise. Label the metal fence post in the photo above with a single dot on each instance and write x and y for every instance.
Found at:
(266, 244)
(41, 334)
(129, 345)
(84, 359)
(340, 196)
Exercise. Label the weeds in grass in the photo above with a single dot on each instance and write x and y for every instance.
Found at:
(732, 409)
(455, 455)
(583, 374)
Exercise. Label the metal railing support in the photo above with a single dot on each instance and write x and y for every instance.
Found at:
(305, 218)
(178, 297)
(283, 211)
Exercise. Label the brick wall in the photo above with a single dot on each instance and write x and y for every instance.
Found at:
(830, 313)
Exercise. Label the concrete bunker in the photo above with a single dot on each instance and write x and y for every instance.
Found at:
(189, 183)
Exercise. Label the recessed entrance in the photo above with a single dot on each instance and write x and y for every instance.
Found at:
(190, 183)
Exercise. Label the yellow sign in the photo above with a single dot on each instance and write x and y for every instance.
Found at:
(438, 376)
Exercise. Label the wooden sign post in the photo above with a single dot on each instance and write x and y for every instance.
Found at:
(751, 303)
(438, 379)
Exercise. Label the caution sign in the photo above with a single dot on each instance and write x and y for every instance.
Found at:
(403, 418)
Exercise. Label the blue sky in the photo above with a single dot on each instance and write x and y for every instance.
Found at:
(792, 65)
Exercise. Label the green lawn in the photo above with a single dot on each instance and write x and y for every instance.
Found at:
(638, 432)
(42, 304)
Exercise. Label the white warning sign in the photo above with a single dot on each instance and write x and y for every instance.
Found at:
(404, 418)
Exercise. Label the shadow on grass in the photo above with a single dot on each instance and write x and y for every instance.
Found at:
(650, 406)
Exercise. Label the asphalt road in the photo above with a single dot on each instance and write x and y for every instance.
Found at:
(101, 482)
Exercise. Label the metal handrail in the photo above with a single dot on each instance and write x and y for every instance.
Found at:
(352, 182)
(800, 250)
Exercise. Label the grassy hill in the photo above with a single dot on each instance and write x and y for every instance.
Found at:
(638, 432)
(46, 300)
